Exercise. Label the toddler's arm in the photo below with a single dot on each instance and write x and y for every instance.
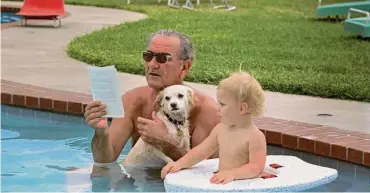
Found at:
(257, 158)
(202, 151)
(195, 155)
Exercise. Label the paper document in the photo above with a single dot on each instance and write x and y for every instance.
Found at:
(105, 88)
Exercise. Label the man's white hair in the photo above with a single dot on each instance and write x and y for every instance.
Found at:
(186, 46)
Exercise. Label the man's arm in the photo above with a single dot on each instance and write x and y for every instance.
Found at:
(107, 144)
(202, 151)
(169, 146)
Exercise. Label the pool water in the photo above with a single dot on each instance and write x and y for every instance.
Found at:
(7, 17)
(48, 152)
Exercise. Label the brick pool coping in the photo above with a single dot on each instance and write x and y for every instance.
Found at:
(321, 140)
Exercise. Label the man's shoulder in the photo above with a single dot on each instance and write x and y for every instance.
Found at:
(139, 89)
(207, 109)
(136, 96)
(206, 102)
(138, 92)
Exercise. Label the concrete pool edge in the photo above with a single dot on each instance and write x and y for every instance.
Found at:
(321, 140)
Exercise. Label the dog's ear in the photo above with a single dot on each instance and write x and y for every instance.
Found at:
(158, 101)
(191, 98)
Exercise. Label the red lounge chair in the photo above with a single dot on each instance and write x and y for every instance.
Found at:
(42, 9)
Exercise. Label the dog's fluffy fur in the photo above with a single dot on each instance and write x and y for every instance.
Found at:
(175, 101)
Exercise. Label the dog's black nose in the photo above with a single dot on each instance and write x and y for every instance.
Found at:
(173, 105)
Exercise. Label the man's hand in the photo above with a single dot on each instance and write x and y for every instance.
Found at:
(155, 133)
(223, 177)
(151, 130)
(94, 113)
(170, 168)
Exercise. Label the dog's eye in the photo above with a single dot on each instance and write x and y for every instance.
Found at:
(167, 98)
(180, 96)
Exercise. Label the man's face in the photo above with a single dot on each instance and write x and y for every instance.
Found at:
(160, 74)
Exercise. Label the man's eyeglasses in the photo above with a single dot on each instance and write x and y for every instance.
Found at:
(159, 57)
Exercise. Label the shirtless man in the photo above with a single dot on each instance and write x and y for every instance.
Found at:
(168, 58)
(242, 146)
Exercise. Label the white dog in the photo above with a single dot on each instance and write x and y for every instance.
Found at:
(175, 103)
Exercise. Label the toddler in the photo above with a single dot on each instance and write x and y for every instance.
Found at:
(241, 145)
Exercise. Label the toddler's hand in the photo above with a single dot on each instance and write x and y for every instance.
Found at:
(223, 177)
(170, 168)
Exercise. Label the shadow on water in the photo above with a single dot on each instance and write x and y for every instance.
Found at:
(57, 148)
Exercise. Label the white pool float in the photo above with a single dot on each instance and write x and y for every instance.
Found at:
(294, 175)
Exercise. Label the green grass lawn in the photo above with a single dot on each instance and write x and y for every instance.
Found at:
(279, 41)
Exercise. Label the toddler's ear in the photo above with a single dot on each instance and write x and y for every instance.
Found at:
(244, 109)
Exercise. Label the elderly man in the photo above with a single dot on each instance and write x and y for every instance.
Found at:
(168, 58)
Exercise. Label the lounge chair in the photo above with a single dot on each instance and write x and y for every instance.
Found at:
(129, 2)
(176, 4)
(225, 5)
(360, 25)
(42, 10)
(340, 9)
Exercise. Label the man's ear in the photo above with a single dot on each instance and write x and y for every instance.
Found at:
(186, 66)
(158, 101)
(244, 108)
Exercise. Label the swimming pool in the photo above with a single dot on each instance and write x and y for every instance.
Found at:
(48, 152)
(7, 17)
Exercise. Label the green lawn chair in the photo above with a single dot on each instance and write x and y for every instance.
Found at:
(360, 25)
(340, 9)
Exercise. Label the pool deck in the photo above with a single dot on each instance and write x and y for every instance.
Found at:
(37, 73)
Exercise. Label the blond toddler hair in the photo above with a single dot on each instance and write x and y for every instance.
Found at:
(246, 89)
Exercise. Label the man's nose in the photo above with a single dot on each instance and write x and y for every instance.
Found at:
(173, 105)
(153, 63)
